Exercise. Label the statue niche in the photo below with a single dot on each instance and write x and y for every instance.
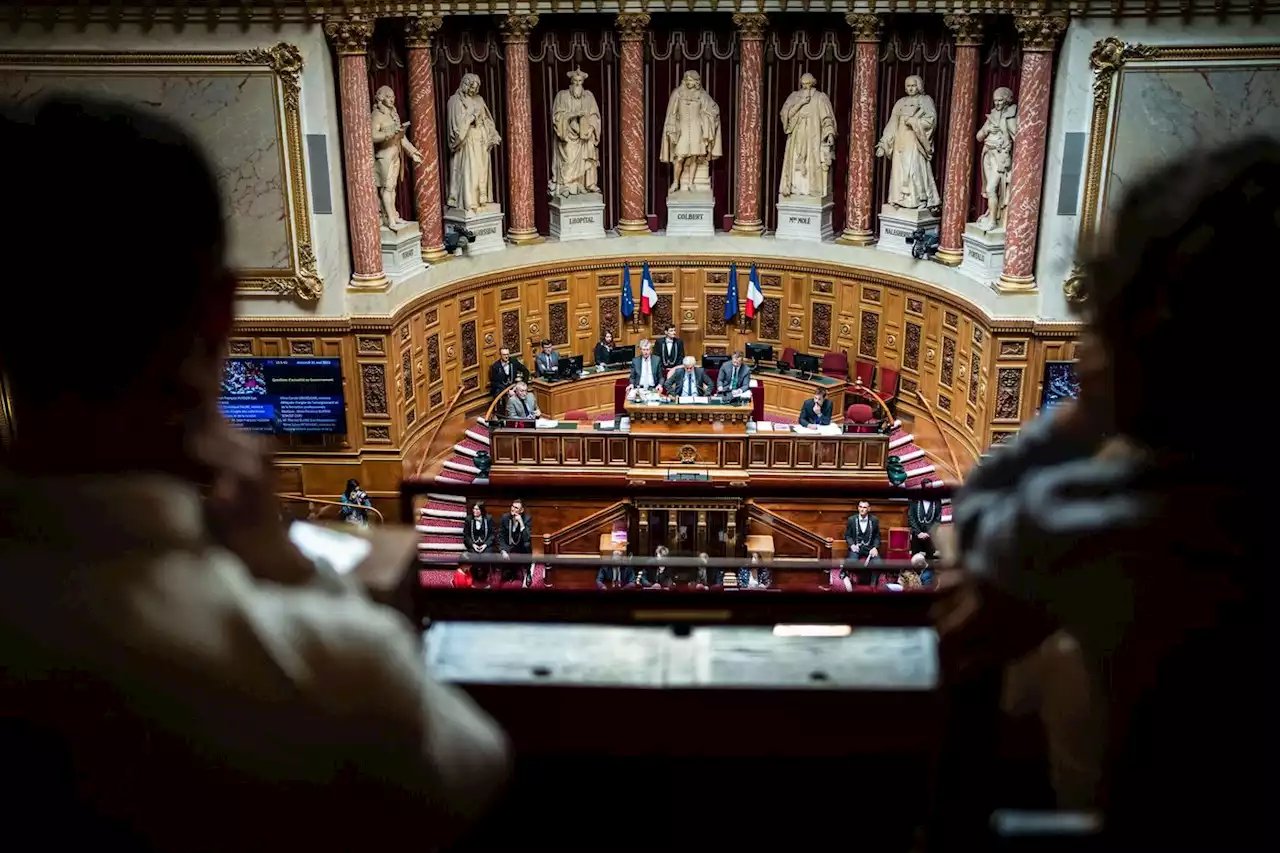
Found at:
(472, 135)
(577, 206)
(690, 141)
(804, 188)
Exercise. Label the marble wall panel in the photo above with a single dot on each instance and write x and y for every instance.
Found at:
(232, 114)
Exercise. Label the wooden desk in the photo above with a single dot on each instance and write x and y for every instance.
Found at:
(786, 392)
(580, 452)
(593, 392)
(694, 418)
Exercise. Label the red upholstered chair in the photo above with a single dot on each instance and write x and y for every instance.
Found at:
(620, 396)
(888, 390)
(899, 544)
(713, 376)
(789, 356)
(577, 415)
(860, 418)
(757, 401)
(835, 364)
(864, 372)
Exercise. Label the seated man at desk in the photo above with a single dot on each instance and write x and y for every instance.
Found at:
(505, 372)
(521, 404)
(735, 375)
(646, 368)
(691, 381)
(547, 362)
(615, 576)
(604, 348)
(816, 411)
(671, 349)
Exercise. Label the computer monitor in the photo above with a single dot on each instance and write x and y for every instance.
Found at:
(713, 362)
(569, 366)
(1061, 384)
(806, 363)
(622, 355)
(759, 353)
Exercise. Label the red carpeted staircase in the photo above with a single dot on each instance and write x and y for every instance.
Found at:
(440, 519)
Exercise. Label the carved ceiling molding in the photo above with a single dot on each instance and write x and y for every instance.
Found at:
(243, 13)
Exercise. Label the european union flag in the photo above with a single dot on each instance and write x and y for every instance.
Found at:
(628, 301)
(731, 296)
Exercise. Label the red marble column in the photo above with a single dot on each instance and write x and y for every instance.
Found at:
(632, 32)
(350, 39)
(746, 215)
(422, 133)
(521, 228)
(1026, 180)
(858, 230)
(960, 140)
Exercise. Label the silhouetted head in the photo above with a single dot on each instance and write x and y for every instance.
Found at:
(132, 198)
(1148, 289)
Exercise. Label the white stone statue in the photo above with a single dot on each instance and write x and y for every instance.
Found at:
(908, 141)
(575, 118)
(690, 135)
(389, 147)
(810, 125)
(997, 135)
(472, 135)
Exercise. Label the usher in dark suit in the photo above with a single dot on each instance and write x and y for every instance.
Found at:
(860, 542)
(922, 520)
(670, 351)
(514, 540)
(501, 375)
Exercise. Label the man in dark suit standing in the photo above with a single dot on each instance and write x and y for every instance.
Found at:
(689, 381)
(816, 411)
(922, 517)
(735, 375)
(505, 372)
(515, 536)
(671, 349)
(862, 535)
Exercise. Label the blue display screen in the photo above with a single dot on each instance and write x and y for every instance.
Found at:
(284, 395)
(1061, 385)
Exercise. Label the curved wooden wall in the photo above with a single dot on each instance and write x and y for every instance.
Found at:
(980, 376)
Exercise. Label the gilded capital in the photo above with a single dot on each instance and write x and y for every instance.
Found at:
(350, 36)
(1039, 32)
(418, 30)
(751, 25)
(516, 28)
(632, 25)
(865, 27)
(967, 29)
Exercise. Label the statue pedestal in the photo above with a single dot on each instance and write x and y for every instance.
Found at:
(401, 252)
(577, 217)
(983, 253)
(690, 214)
(898, 223)
(485, 224)
(805, 218)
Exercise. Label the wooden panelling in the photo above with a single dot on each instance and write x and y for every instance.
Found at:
(452, 334)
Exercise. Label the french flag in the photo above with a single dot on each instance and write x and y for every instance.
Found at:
(755, 296)
(648, 295)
